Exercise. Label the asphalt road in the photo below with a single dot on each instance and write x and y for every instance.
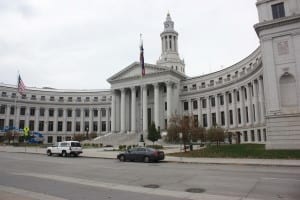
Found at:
(34, 176)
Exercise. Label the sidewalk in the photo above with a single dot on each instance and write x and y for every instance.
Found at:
(102, 153)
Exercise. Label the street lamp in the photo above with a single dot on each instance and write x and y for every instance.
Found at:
(87, 132)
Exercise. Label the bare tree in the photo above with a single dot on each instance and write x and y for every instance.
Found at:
(216, 134)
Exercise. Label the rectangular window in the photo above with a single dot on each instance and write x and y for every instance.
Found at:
(95, 126)
(247, 117)
(239, 116)
(103, 112)
(78, 112)
(70, 99)
(11, 123)
(278, 10)
(214, 119)
(213, 101)
(69, 112)
(77, 126)
(245, 93)
(50, 126)
(95, 112)
(254, 114)
(58, 138)
(31, 125)
(69, 126)
(221, 100)
(60, 112)
(204, 120)
(32, 111)
(59, 126)
(186, 105)
(22, 111)
(41, 125)
(229, 98)
(50, 139)
(222, 118)
(42, 112)
(259, 135)
(21, 124)
(195, 120)
(12, 110)
(103, 126)
(238, 96)
(203, 103)
(230, 117)
(195, 104)
(51, 112)
(1, 123)
(252, 136)
(166, 106)
(245, 136)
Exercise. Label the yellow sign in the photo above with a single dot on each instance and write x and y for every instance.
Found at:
(26, 131)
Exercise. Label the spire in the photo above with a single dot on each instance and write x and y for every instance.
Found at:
(168, 17)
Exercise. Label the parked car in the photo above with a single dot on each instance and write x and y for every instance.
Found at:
(65, 149)
(144, 154)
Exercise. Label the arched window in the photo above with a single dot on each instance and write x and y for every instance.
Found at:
(288, 90)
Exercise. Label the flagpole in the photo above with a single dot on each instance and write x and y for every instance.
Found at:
(141, 93)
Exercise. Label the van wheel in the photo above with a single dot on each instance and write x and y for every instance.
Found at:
(49, 153)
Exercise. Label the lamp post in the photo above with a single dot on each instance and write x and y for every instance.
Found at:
(87, 132)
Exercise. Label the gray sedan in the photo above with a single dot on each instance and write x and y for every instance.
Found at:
(144, 154)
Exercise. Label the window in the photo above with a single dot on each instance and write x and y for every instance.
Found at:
(50, 126)
(13, 95)
(51, 112)
(203, 84)
(252, 136)
(230, 117)
(186, 105)
(195, 120)
(87, 99)
(245, 92)
(222, 118)
(103, 112)
(31, 125)
(59, 125)
(50, 139)
(33, 97)
(214, 119)
(43, 98)
(22, 111)
(95, 111)
(21, 124)
(77, 126)
(12, 110)
(61, 99)
(195, 104)
(95, 98)
(32, 111)
(212, 101)
(185, 88)
(204, 118)
(60, 112)
(247, 117)
(78, 99)
(4, 94)
(166, 106)
(42, 112)
(69, 126)
(221, 100)
(239, 116)
(11, 123)
(203, 103)
(2, 109)
(1, 123)
(103, 126)
(78, 112)
(69, 113)
(229, 97)
(278, 10)
(51, 98)
(259, 135)
(238, 96)
(41, 125)
(95, 126)
(58, 138)
(254, 114)
(70, 99)
(245, 136)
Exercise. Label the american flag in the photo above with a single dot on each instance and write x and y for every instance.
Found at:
(21, 86)
(142, 59)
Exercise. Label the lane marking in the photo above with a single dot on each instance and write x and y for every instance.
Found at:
(282, 179)
(29, 194)
(135, 189)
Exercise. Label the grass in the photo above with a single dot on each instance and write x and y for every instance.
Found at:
(240, 151)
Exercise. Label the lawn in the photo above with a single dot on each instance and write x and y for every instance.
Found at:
(240, 151)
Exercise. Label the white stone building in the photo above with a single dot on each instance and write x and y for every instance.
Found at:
(257, 98)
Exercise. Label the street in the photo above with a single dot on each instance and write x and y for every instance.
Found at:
(36, 176)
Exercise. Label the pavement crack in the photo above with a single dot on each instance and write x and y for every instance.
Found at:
(252, 188)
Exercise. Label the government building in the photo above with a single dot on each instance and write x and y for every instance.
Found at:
(256, 99)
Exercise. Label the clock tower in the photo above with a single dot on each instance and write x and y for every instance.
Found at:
(169, 56)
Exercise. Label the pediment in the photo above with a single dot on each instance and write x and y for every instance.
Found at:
(134, 71)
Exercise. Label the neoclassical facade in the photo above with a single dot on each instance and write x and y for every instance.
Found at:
(257, 99)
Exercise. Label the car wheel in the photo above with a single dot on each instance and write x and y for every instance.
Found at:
(146, 159)
(64, 154)
(49, 153)
(75, 154)
(122, 158)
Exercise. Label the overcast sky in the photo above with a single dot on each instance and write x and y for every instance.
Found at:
(79, 44)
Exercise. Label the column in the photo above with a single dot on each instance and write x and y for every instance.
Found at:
(107, 119)
(156, 105)
(249, 104)
(256, 111)
(36, 119)
(122, 110)
(234, 110)
(113, 112)
(27, 112)
(145, 102)
(133, 110)
(217, 102)
(199, 112)
(55, 120)
(226, 111)
(208, 113)
(17, 118)
(261, 101)
(173, 46)
(169, 104)
(82, 128)
(46, 119)
(73, 120)
(190, 110)
(7, 110)
(242, 105)
(64, 128)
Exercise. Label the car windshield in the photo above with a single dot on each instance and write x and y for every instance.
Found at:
(75, 144)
